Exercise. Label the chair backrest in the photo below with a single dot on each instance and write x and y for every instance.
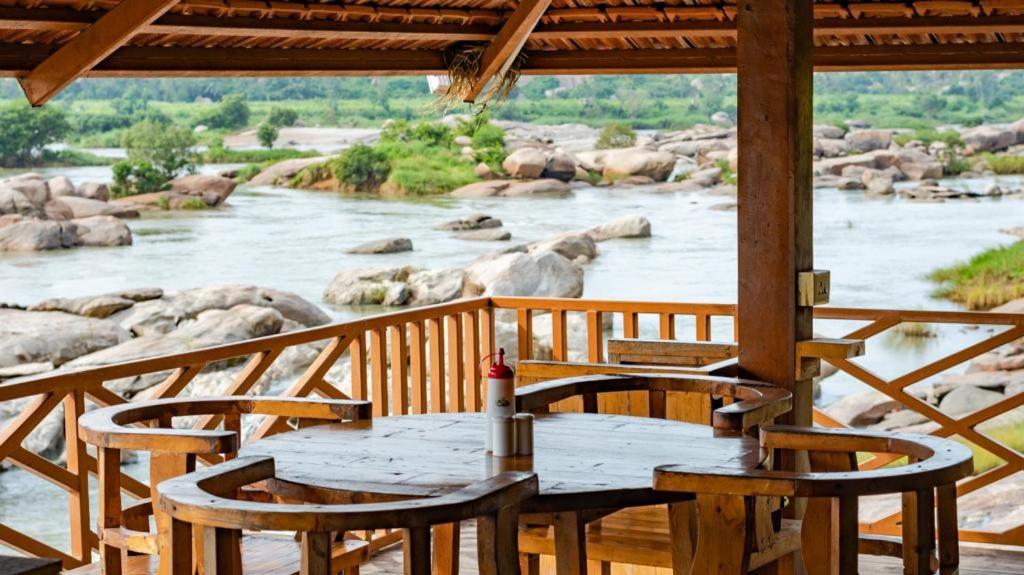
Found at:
(174, 451)
(669, 352)
(755, 403)
(206, 498)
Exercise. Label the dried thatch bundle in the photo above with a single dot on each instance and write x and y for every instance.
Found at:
(463, 62)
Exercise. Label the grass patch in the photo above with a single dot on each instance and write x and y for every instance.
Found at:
(728, 175)
(987, 280)
(420, 175)
(221, 155)
(1011, 436)
(74, 158)
(1003, 165)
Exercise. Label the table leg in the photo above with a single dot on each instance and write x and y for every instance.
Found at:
(570, 544)
(446, 549)
(681, 534)
(724, 535)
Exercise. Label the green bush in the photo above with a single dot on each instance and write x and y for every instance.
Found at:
(157, 153)
(232, 113)
(282, 117)
(136, 178)
(267, 134)
(1003, 164)
(616, 135)
(25, 132)
(989, 279)
(423, 174)
(362, 168)
(489, 145)
(248, 172)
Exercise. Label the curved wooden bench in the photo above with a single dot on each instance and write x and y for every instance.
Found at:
(173, 453)
(835, 484)
(755, 403)
(204, 498)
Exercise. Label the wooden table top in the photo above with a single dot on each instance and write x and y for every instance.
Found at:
(580, 458)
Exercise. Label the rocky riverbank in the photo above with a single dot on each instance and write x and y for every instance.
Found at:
(48, 214)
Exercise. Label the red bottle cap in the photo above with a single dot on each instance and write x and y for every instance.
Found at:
(499, 370)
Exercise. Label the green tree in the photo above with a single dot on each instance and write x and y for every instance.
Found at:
(362, 167)
(267, 134)
(616, 135)
(232, 113)
(157, 153)
(282, 117)
(25, 132)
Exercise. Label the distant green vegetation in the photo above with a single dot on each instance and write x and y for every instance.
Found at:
(216, 153)
(1003, 164)
(987, 280)
(157, 153)
(25, 132)
(615, 135)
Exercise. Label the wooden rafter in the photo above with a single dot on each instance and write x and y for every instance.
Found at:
(506, 45)
(90, 47)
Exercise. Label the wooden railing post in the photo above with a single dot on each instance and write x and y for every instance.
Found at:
(82, 538)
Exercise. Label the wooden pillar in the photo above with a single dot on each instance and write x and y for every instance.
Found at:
(775, 193)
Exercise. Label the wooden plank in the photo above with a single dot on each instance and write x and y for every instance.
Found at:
(435, 329)
(357, 365)
(29, 566)
(775, 195)
(524, 333)
(78, 499)
(399, 371)
(595, 337)
(471, 356)
(90, 47)
(418, 366)
(559, 336)
(379, 371)
(570, 544)
(830, 348)
(506, 45)
(456, 366)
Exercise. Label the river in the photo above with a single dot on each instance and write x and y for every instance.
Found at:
(878, 250)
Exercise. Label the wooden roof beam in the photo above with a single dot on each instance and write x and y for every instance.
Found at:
(506, 45)
(90, 47)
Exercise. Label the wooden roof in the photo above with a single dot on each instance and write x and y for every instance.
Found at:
(392, 37)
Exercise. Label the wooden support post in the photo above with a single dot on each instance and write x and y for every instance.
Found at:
(775, 241)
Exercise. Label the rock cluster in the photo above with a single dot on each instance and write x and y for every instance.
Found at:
(39, 214)
(188, 192)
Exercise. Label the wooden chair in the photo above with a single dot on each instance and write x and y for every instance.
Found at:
(206, 498)
(640, 536)
(124, 533)
(669, 352)
(830, 542)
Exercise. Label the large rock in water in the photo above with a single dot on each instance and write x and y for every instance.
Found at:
(485, 189)
(32, 185)
(94, 191)
(485, 235)
(385, 246)
(85, 207)
(624, 227)
(103, 231)
(428, 287)
(34, 235)
(570, 245)
(14, 202)
(991, 138)
(560, 166)
(869, 140)
(281, 172)
(545, 187)
(90, 306)
(369, 286)
(470, 222)
(61, 186)
(863, 408)
(638, 161)
(213, 190)
(541, 274)
(56, 337)
(526, 163)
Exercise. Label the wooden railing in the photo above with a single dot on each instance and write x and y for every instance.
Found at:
(429, 360)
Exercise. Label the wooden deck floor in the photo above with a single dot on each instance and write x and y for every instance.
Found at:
(975, 560)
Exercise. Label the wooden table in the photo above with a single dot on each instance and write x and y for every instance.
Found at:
(584, 462)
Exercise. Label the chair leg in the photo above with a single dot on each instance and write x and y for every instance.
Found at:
(316, 553)
(529, 564)
(498, 542)
(949, 543)
(918, 531)
(223, 553)
(570, 544)
(724, 535)
(682, 529)
(181, 548)
(849, 535)
(446, 549)
(416, 551)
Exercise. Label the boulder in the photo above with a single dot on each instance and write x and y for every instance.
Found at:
(624, 227)
(281, 172)
(967, 399)
(94, 191)
(25, 370)
(213, 189)
(832, 148)
(828, 131)
(724, 207)
(722, 119)
(638, 161)
(103, 231)
(846, 183)
(385, 246)
(880, 186)
(560, 166)
(526, 163)
(696, 148)
(14, 202)
(463, 141)
(428, 287)
(471, 222)
(869, 140)
(571, 245)
(365, 285)
(540, 274)
(993, 380)
(32, 185)
(90, 306)
(210, 328)
(634, 181)
(55, 337)
(35, 235)
(545, 187)
(485, 235)
(990, 138)
(85, 207)
(483, 171)
(485, 189)
(1012, 306)
(706, 177)
(57, 211)
(863, 408)
(61, 186)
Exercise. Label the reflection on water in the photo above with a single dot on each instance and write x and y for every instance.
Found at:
(878, 250)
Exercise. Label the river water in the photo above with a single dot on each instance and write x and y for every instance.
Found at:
(878, 250)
